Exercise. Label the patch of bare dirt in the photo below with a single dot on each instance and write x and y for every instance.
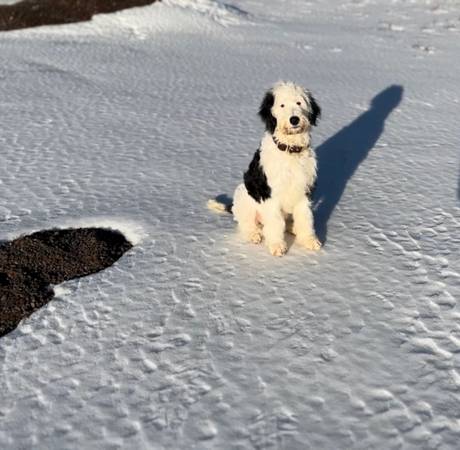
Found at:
(34, 13)
(30, 264)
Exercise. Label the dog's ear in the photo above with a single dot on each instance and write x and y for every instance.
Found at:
(315, 111)
(265, 112)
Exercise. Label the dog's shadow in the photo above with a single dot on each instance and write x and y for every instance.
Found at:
(340, 155)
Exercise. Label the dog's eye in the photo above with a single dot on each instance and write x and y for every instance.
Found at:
(282, 106)
(298, 103)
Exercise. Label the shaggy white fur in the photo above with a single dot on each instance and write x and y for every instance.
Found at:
(282, 173)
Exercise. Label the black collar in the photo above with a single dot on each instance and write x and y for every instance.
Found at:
(288, 148)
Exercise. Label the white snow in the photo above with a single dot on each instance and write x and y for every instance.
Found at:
(132, 231)
(195, 339)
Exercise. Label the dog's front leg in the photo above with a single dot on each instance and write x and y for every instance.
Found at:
(274, 225)
(303, 225)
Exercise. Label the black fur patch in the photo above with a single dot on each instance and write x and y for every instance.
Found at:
(255, 180)
(310, 191)
(265, 112)
(315, 112)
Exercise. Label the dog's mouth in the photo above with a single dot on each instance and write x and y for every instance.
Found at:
(290, 129)
(295, 129)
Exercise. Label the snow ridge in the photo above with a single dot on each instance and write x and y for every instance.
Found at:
(219, 11)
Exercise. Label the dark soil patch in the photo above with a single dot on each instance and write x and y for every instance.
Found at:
(28, 265)
(33, 13)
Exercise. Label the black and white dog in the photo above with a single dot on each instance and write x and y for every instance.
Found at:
(281, 176)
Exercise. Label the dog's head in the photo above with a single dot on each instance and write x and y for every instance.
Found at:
(289, 109)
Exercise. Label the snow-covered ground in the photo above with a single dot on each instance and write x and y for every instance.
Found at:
(195, 339)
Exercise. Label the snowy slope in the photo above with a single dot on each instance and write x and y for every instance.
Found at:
(195, 339)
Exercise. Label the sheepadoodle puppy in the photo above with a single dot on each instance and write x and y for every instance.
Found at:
(281, 177)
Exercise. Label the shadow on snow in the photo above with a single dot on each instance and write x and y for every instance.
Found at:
(340, 155)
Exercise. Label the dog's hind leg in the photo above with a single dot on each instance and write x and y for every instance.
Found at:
(274, 227)
(251, 231)
(245, 213)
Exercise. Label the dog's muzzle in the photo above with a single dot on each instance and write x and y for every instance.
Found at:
(294, 120)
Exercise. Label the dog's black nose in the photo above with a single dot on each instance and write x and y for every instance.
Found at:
(294, 120)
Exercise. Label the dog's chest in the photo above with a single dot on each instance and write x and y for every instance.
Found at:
(289, 176)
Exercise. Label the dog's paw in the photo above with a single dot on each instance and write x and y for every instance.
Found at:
(278, 249)
(255, 237)
(311, 243)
